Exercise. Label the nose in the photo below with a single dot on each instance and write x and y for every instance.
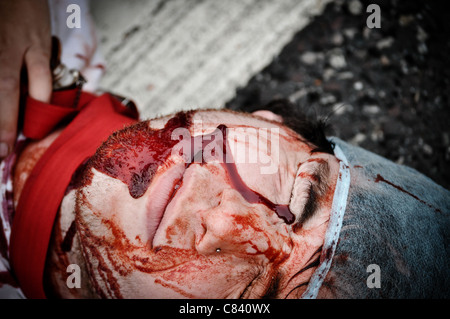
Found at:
(234, 226)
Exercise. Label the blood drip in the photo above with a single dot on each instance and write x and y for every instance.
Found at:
(250, 195)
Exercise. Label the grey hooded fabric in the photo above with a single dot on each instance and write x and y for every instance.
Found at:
(396, 226)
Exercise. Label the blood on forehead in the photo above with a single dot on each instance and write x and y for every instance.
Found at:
(134, 154)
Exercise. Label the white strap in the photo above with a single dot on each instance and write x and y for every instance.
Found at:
(334, 226)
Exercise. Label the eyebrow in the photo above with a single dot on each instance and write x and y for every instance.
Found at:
(315, 192)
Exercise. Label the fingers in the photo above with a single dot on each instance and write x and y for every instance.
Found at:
(10, 63)
(25, 39)
(37, 61)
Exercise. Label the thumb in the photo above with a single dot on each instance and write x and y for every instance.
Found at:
(39, 74)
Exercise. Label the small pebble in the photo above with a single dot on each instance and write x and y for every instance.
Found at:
(358, 139)
(309, 58)
(337, 60)
(371, 109)
(427, 149)
(385, 43)
(355, 7)
(358, 86)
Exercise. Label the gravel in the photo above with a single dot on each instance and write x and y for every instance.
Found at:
(385, 89)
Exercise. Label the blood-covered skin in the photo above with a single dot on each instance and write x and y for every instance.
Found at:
(153, 224)
(28, 159)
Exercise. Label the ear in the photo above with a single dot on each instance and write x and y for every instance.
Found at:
(268, 115)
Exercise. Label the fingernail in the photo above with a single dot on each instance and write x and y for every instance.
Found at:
(4, 150)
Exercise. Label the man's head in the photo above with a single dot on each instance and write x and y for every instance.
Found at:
(206, 204)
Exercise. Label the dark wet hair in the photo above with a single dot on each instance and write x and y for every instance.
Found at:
(311, 129)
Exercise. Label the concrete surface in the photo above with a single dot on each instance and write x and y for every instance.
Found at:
(182, 54)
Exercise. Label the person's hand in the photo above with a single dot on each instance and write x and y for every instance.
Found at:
(25, 40)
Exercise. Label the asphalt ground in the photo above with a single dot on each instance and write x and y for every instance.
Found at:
(385, 89)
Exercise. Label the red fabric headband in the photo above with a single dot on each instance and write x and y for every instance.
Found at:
(94, 119)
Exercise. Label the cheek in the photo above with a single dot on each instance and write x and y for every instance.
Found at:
(121, 266)
(228, 227)
(121, 269)
(244, 233)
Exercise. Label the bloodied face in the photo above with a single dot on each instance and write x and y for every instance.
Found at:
(204, 204)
